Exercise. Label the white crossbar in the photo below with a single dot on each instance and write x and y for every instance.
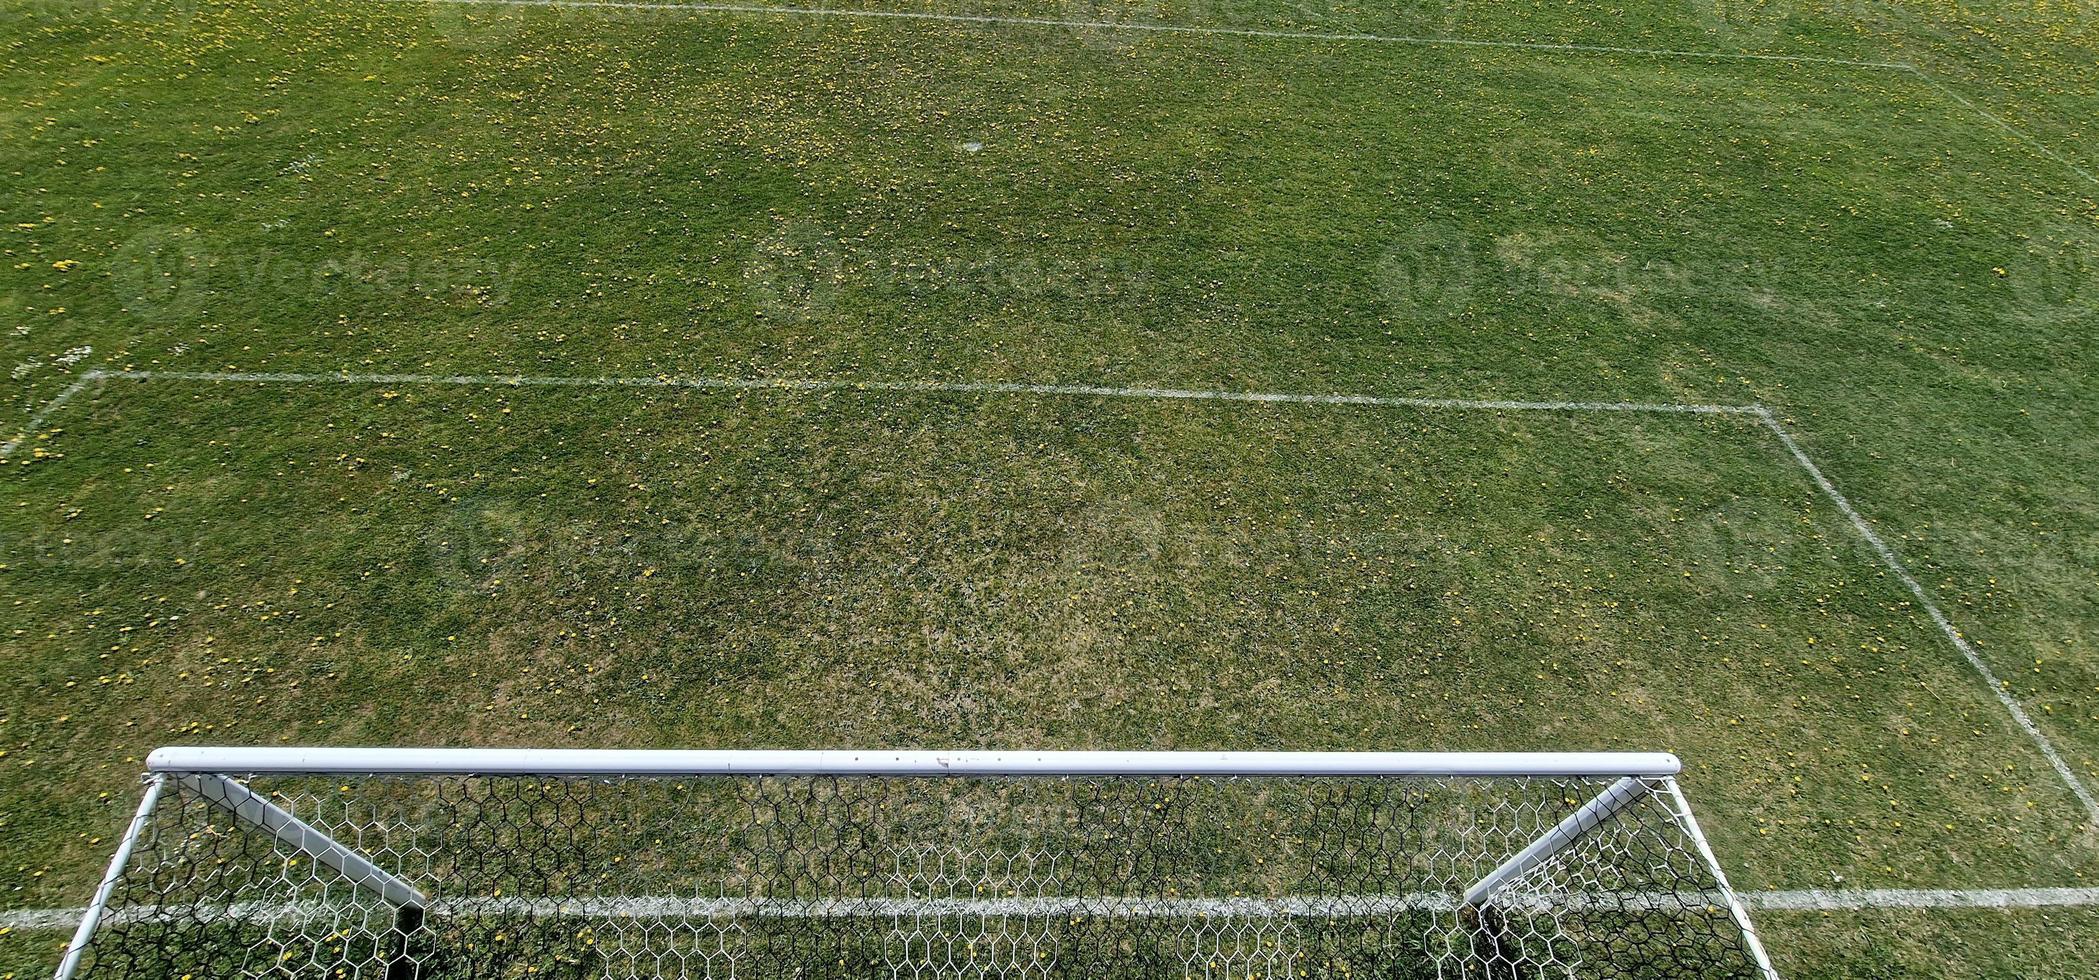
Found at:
(851, 762)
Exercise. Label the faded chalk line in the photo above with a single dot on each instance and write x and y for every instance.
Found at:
(1315, 906)
(1948, 90)
(923, 387)
(36, 420)
(2016, 133)
(1112, 25)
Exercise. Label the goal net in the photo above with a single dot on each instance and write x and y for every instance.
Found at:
(407, 864)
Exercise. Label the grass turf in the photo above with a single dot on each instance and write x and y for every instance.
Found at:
(383, 187)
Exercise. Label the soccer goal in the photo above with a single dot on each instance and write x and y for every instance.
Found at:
(422, 864)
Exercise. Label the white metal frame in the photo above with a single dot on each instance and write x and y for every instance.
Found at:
(92, 917)
(209, 773)
(854, 762)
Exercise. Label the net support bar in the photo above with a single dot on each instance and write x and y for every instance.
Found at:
(257, 813)
(1620, 795)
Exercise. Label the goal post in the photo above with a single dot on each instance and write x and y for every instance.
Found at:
(422, 864)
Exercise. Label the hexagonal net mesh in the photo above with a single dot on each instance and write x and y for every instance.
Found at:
(510, 876)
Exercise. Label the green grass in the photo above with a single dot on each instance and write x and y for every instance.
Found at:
(375, 187)
(27, 954)
(2003, 945)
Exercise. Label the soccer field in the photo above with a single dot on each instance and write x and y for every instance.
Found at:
(1698, 377)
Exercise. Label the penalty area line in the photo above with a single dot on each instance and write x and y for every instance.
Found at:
(1763, 415)
(1998, 121)
(1902, 573)
(1157, 28)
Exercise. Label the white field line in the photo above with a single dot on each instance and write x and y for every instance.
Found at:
(36, 420)
(921, 387)
(1918, 22)
(673, 906)
(1111, 25)
(1769, 420)
(40, 920)
(2016, 133)
(1902, 573)
(1066, 906)
(1823, 900)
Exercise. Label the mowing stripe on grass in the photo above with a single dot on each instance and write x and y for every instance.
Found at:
(1894, 563)
(1762, 414)
(1110, 25)
(1320, 906)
